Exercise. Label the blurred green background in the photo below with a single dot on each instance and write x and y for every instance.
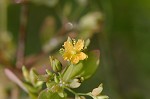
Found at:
(122, 35)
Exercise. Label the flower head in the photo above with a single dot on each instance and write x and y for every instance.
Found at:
(96, 93)
(73, 50)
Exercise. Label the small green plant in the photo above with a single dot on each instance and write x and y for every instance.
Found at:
(80, 65)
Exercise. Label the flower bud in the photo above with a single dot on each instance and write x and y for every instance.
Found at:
(25, 74)
(33, 76)
(97, 90)
(56, 79)
(55, 64)
(75, 83)
(49, 72)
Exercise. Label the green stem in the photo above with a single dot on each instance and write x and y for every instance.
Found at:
(71, 91)
(77, 94)
(65, 69)
(83, 94)
(67, 73)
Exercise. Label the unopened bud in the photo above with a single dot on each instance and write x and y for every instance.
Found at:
(75, 83)
(56, 79)
(33, 76)
(97, 91)
(55, 64)
(25, 73)
(49, 72)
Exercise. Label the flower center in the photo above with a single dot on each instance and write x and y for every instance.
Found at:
(73, 52)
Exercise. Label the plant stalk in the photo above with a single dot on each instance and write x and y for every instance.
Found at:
(22, 36)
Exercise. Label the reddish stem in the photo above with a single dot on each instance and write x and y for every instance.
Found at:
(22, 36)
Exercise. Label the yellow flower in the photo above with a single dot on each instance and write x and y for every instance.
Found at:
(73, 51)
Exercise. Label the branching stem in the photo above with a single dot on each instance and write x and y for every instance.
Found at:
(77, 94)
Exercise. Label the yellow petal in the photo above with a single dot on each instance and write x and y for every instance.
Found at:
(81, 56)
(79, 45)
(74, 60)
(68, 46)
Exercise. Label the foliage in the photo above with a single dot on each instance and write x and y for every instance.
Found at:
(67, 78)
(120, 29)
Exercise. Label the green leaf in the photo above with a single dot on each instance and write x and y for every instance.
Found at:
(44, 78)
(50, 84)
(62, 94)
(72, 71)
(49, 95)
(33, 95)
(85, 68)
(91, 64)
(53, 87)
(30, 88)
